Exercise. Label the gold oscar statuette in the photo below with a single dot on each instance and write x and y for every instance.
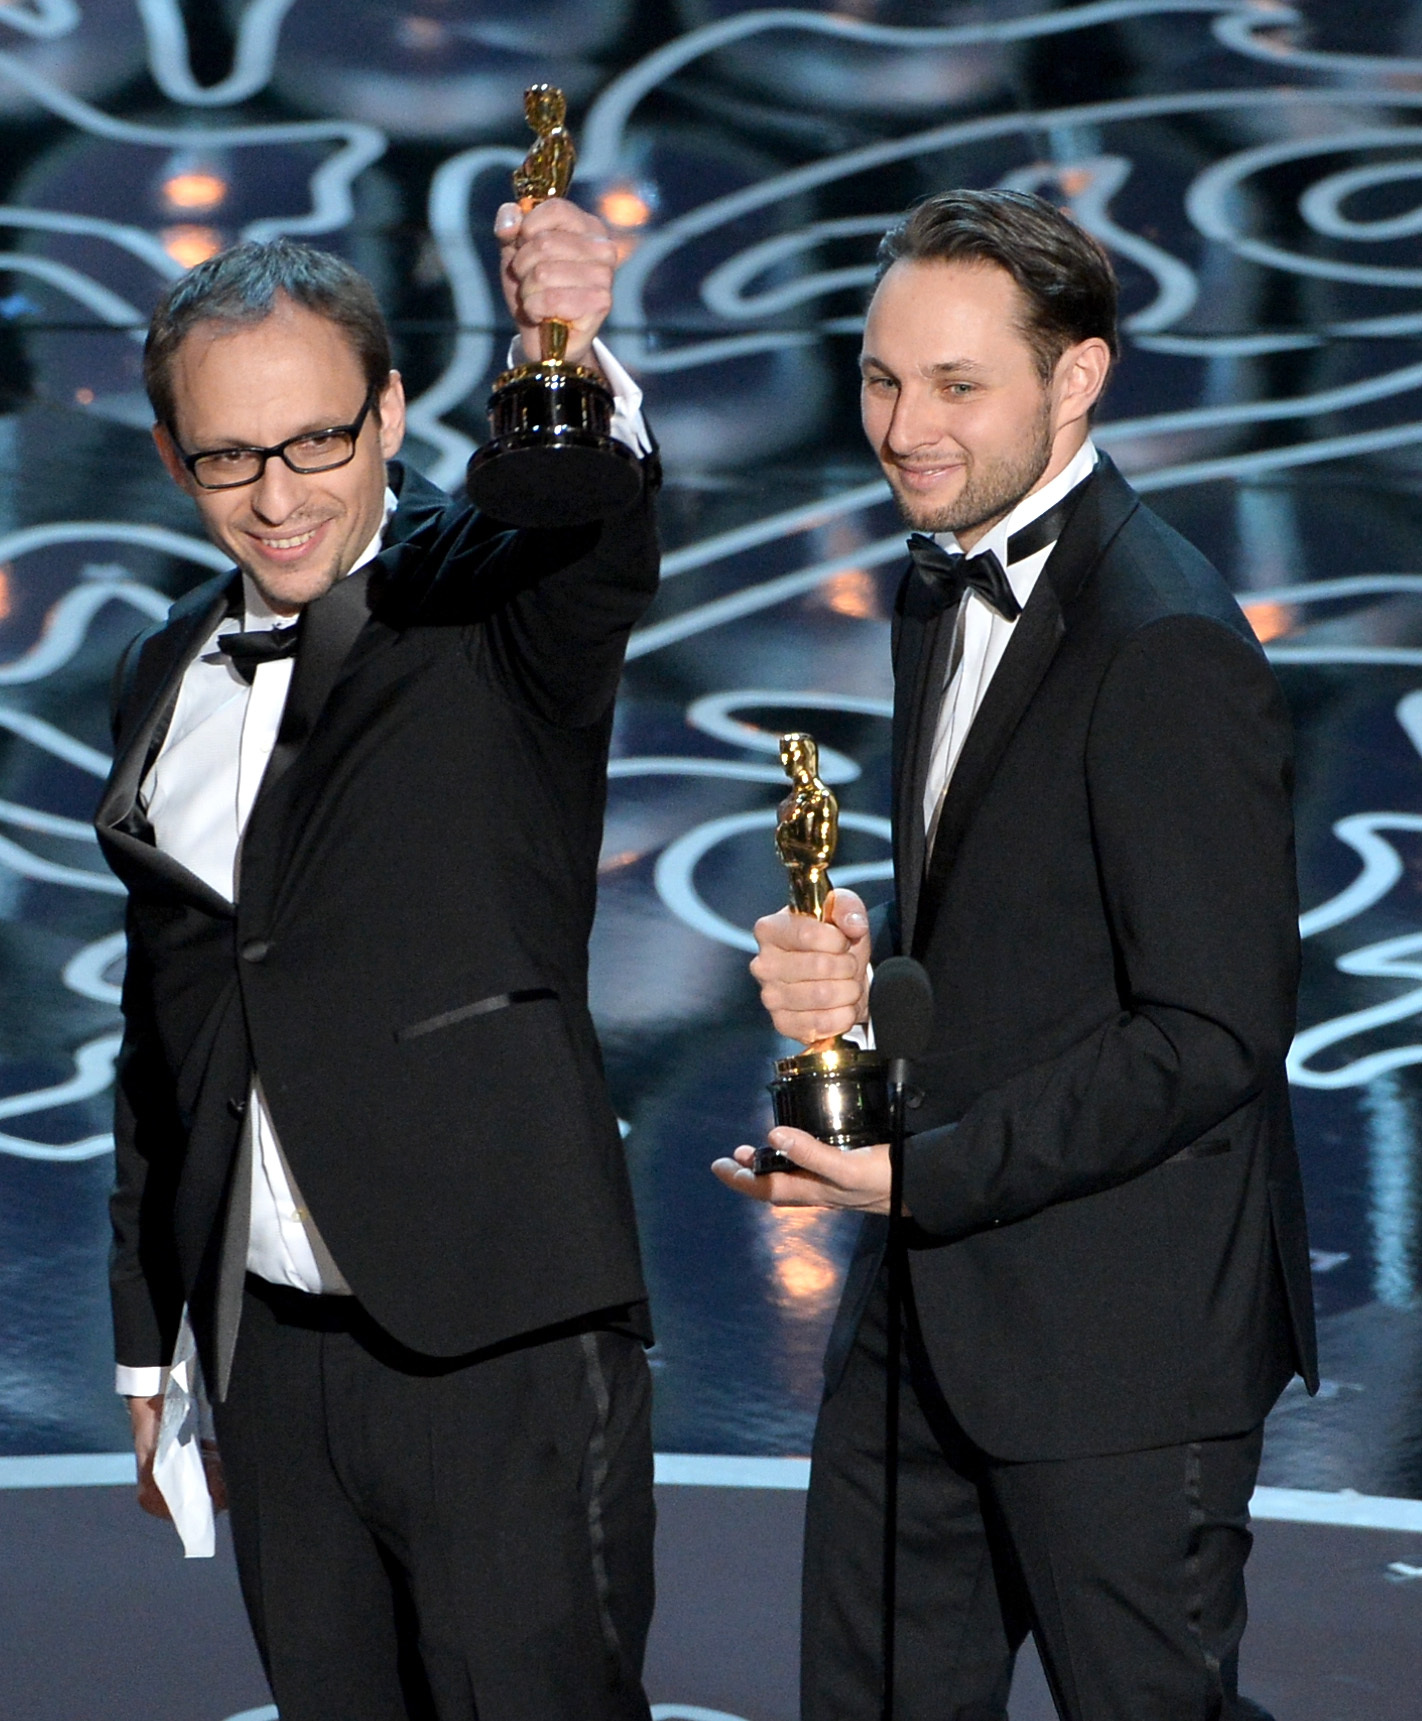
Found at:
(551, 458)
(835, 1090)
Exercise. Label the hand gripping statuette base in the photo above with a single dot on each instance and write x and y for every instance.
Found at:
(835, 1091)
(551, 459)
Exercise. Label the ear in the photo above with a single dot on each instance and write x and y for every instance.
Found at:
(392, 415)
(172, 460)
(1080, 377)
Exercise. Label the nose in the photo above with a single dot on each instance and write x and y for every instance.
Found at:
(277, 494)
(915, 422)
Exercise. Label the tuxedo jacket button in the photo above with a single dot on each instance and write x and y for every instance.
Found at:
(237, 1108)
(255, 950)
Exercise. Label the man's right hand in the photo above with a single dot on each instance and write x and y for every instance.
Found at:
(814, 975)
(557, 260)
(146, 1415)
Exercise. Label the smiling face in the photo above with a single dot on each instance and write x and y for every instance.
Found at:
(251, 385)
(953, 401)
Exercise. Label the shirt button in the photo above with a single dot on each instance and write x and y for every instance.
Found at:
(255, 950)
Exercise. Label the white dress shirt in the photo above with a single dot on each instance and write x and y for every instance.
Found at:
(981, 642)
(198, 796)
(983, 635)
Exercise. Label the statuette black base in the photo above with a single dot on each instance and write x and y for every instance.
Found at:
(839, 1095)
(552, 460)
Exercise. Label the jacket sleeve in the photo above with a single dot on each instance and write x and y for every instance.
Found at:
(553, 608)
(144, 1282)
(1189, 776)
(559, 643)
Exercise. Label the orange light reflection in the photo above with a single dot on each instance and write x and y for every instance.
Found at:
(807, 1279)
(852, 593)
(194, 190)
(615, 862)
(6, 601)
(190, 245)
(623, 206)
(1269, 620)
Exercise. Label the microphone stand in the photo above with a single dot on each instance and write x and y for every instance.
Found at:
(894, 1262)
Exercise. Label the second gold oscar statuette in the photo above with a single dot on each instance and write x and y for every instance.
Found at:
(836, 1091)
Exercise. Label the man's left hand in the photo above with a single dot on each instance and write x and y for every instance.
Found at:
(856, 1178)
(556, 261)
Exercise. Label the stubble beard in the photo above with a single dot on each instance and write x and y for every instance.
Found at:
(282, 601)
(990, 492)
(315, 582)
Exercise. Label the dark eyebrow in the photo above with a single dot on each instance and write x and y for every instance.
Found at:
(946, 367)
(232, 446)
(952, 365)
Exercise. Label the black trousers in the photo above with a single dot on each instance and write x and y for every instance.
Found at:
(1128, 1569)
(420, 1540)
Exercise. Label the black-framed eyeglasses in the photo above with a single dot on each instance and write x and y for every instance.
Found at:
(309, 451)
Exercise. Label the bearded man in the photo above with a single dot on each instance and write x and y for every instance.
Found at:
(1105, 1247)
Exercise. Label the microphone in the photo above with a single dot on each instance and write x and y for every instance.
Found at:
(901, 1009)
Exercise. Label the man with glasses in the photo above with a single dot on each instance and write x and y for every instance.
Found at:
(307, 452)
(362, 1134)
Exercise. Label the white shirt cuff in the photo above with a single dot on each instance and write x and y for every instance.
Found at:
(140, 1382)
(628, 424)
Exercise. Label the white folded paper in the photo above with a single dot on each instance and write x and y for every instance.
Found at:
(177, 1467)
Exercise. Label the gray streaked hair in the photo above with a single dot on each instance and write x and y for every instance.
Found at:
(242, 285)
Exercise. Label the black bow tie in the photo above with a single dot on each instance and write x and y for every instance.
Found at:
(949, 575)
(264, 645)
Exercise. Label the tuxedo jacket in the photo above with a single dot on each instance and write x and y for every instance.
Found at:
(405, 967)
(1107, 1245)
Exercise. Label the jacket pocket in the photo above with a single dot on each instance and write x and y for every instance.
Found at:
(1209, 1149)
(480, 1007)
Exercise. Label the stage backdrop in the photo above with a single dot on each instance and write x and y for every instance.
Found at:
(1254, 169)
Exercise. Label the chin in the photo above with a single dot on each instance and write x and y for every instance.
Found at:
(923, 519)
(933, 513)
(923, 515)
(292, 590)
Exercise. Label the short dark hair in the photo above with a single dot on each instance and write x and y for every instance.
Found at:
(1064, 275)
(242, 285)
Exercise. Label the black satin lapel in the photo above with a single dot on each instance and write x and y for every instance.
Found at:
(933, 677)
(919, 630)
(329, 628)
(1029, 653)
(1106, 503)
(125, 835)
(146, 734)
(148, 871)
